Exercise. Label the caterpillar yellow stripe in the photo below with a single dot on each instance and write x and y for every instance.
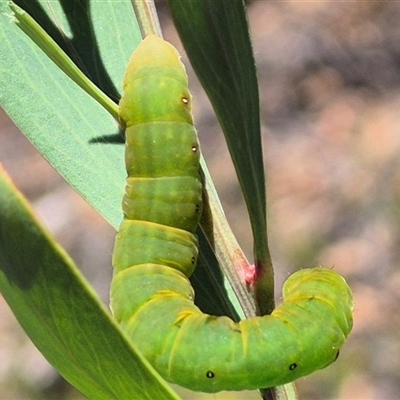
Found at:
(156, 252)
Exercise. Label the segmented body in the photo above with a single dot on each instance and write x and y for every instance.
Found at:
(156, 252)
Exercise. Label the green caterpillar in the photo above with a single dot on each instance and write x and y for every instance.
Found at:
(156, 251)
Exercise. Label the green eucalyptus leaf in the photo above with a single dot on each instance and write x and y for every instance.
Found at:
(223, 60)
(72, 131)
(61, 313)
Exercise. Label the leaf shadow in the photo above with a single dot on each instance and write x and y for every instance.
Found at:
(82, 48)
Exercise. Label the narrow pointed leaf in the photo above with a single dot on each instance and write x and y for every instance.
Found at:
(62, 315)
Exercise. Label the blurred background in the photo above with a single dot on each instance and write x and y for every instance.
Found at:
(329, 76)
